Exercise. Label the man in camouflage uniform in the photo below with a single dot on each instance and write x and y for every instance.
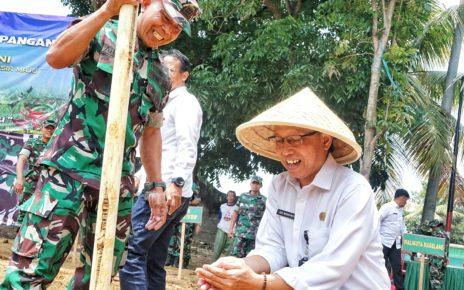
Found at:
(437, 264)
(248, 213)
(190, 231)
(29, 154)
(67, 192)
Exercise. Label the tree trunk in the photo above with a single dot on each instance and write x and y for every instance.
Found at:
(370, 134)
(430, 201)
(371, 116)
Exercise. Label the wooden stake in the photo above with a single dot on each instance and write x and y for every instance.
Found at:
(102, 260)
(74, 254)
(181, 257)
(421, 273)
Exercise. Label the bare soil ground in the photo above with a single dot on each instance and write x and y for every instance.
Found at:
(199, 255)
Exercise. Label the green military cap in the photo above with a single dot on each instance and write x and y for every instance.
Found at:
(183, 12)
(256, 178)
(49, 122)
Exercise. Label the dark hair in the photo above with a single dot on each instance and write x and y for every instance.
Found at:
(231, 191)
(401, 192)
(185, 65)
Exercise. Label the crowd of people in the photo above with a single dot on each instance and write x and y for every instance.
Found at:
(317, 228)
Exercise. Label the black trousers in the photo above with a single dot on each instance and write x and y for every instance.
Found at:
(393, 264)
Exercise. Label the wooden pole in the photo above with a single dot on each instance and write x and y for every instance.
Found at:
(421, 273)
(181, 257)
(102, 260)
(76, 243)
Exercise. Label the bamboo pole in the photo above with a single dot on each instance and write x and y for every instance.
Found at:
(102, 260)
(181, 255)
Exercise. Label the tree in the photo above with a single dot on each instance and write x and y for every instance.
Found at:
(248, 55)
(380, 37)
(430, 201)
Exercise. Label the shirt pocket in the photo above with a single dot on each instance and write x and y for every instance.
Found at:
(317, 240)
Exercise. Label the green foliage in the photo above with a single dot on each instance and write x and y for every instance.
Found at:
(247, 58)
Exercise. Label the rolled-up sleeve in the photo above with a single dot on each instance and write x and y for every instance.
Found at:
(269, 238)
(354, 221)
(188, 119)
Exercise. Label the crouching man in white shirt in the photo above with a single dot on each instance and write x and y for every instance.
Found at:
(320, 229)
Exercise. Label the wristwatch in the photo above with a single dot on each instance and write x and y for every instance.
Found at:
(178, 181)
(150, 185)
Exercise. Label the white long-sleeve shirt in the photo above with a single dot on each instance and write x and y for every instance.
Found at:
(339, 214)
(392, 225)
(180, 133)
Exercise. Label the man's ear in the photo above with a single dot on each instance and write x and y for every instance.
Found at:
(327, 141)
(185, 76)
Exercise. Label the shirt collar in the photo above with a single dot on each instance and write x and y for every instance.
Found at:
(324, 177)
(177, 91)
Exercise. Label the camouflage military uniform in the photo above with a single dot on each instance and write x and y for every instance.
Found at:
(250, 211)
(67, 192)
(174, 244)
(437, 264)
(33, 148)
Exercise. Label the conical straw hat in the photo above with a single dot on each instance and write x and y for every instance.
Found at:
(303, 110)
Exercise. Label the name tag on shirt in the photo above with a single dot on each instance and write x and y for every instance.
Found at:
(286, 214)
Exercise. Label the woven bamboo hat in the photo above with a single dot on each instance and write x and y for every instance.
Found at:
(302, 110)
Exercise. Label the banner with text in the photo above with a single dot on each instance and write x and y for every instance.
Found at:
(424, 244)
(30, 90)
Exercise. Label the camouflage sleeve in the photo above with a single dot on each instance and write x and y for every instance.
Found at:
(27, 148)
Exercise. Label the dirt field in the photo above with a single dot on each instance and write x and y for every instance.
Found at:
(200, 256)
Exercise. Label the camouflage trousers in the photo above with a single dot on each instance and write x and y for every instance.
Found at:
(437, 273)
(59, 208)
(242, 246)
(174, 242)
(25, 195)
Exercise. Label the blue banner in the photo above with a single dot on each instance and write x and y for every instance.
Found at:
(30, 90)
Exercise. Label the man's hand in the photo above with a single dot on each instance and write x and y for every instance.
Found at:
(228, 273)
(174, 197)
(231, 233)
(157, 202)
(112, 7)
(18, 187)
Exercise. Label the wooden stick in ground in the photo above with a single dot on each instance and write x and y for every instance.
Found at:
(181, 254)
(74, 252)
(102, 260)
(421, 273)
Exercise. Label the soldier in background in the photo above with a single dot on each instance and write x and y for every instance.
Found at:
(190, 231)
(29, 154)
(437, 264)
(246, 218)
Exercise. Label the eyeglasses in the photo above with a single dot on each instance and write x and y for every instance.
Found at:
(291, 140)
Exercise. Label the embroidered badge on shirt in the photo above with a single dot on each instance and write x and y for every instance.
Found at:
(286, 214)
(322, 216)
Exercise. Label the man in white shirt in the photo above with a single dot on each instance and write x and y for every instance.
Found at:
(392, 228)
(320, 229)
(147, 250)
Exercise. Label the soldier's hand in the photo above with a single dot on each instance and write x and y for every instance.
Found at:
(112, 7)
(18, 188)
(157, 202)
(173, 197)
